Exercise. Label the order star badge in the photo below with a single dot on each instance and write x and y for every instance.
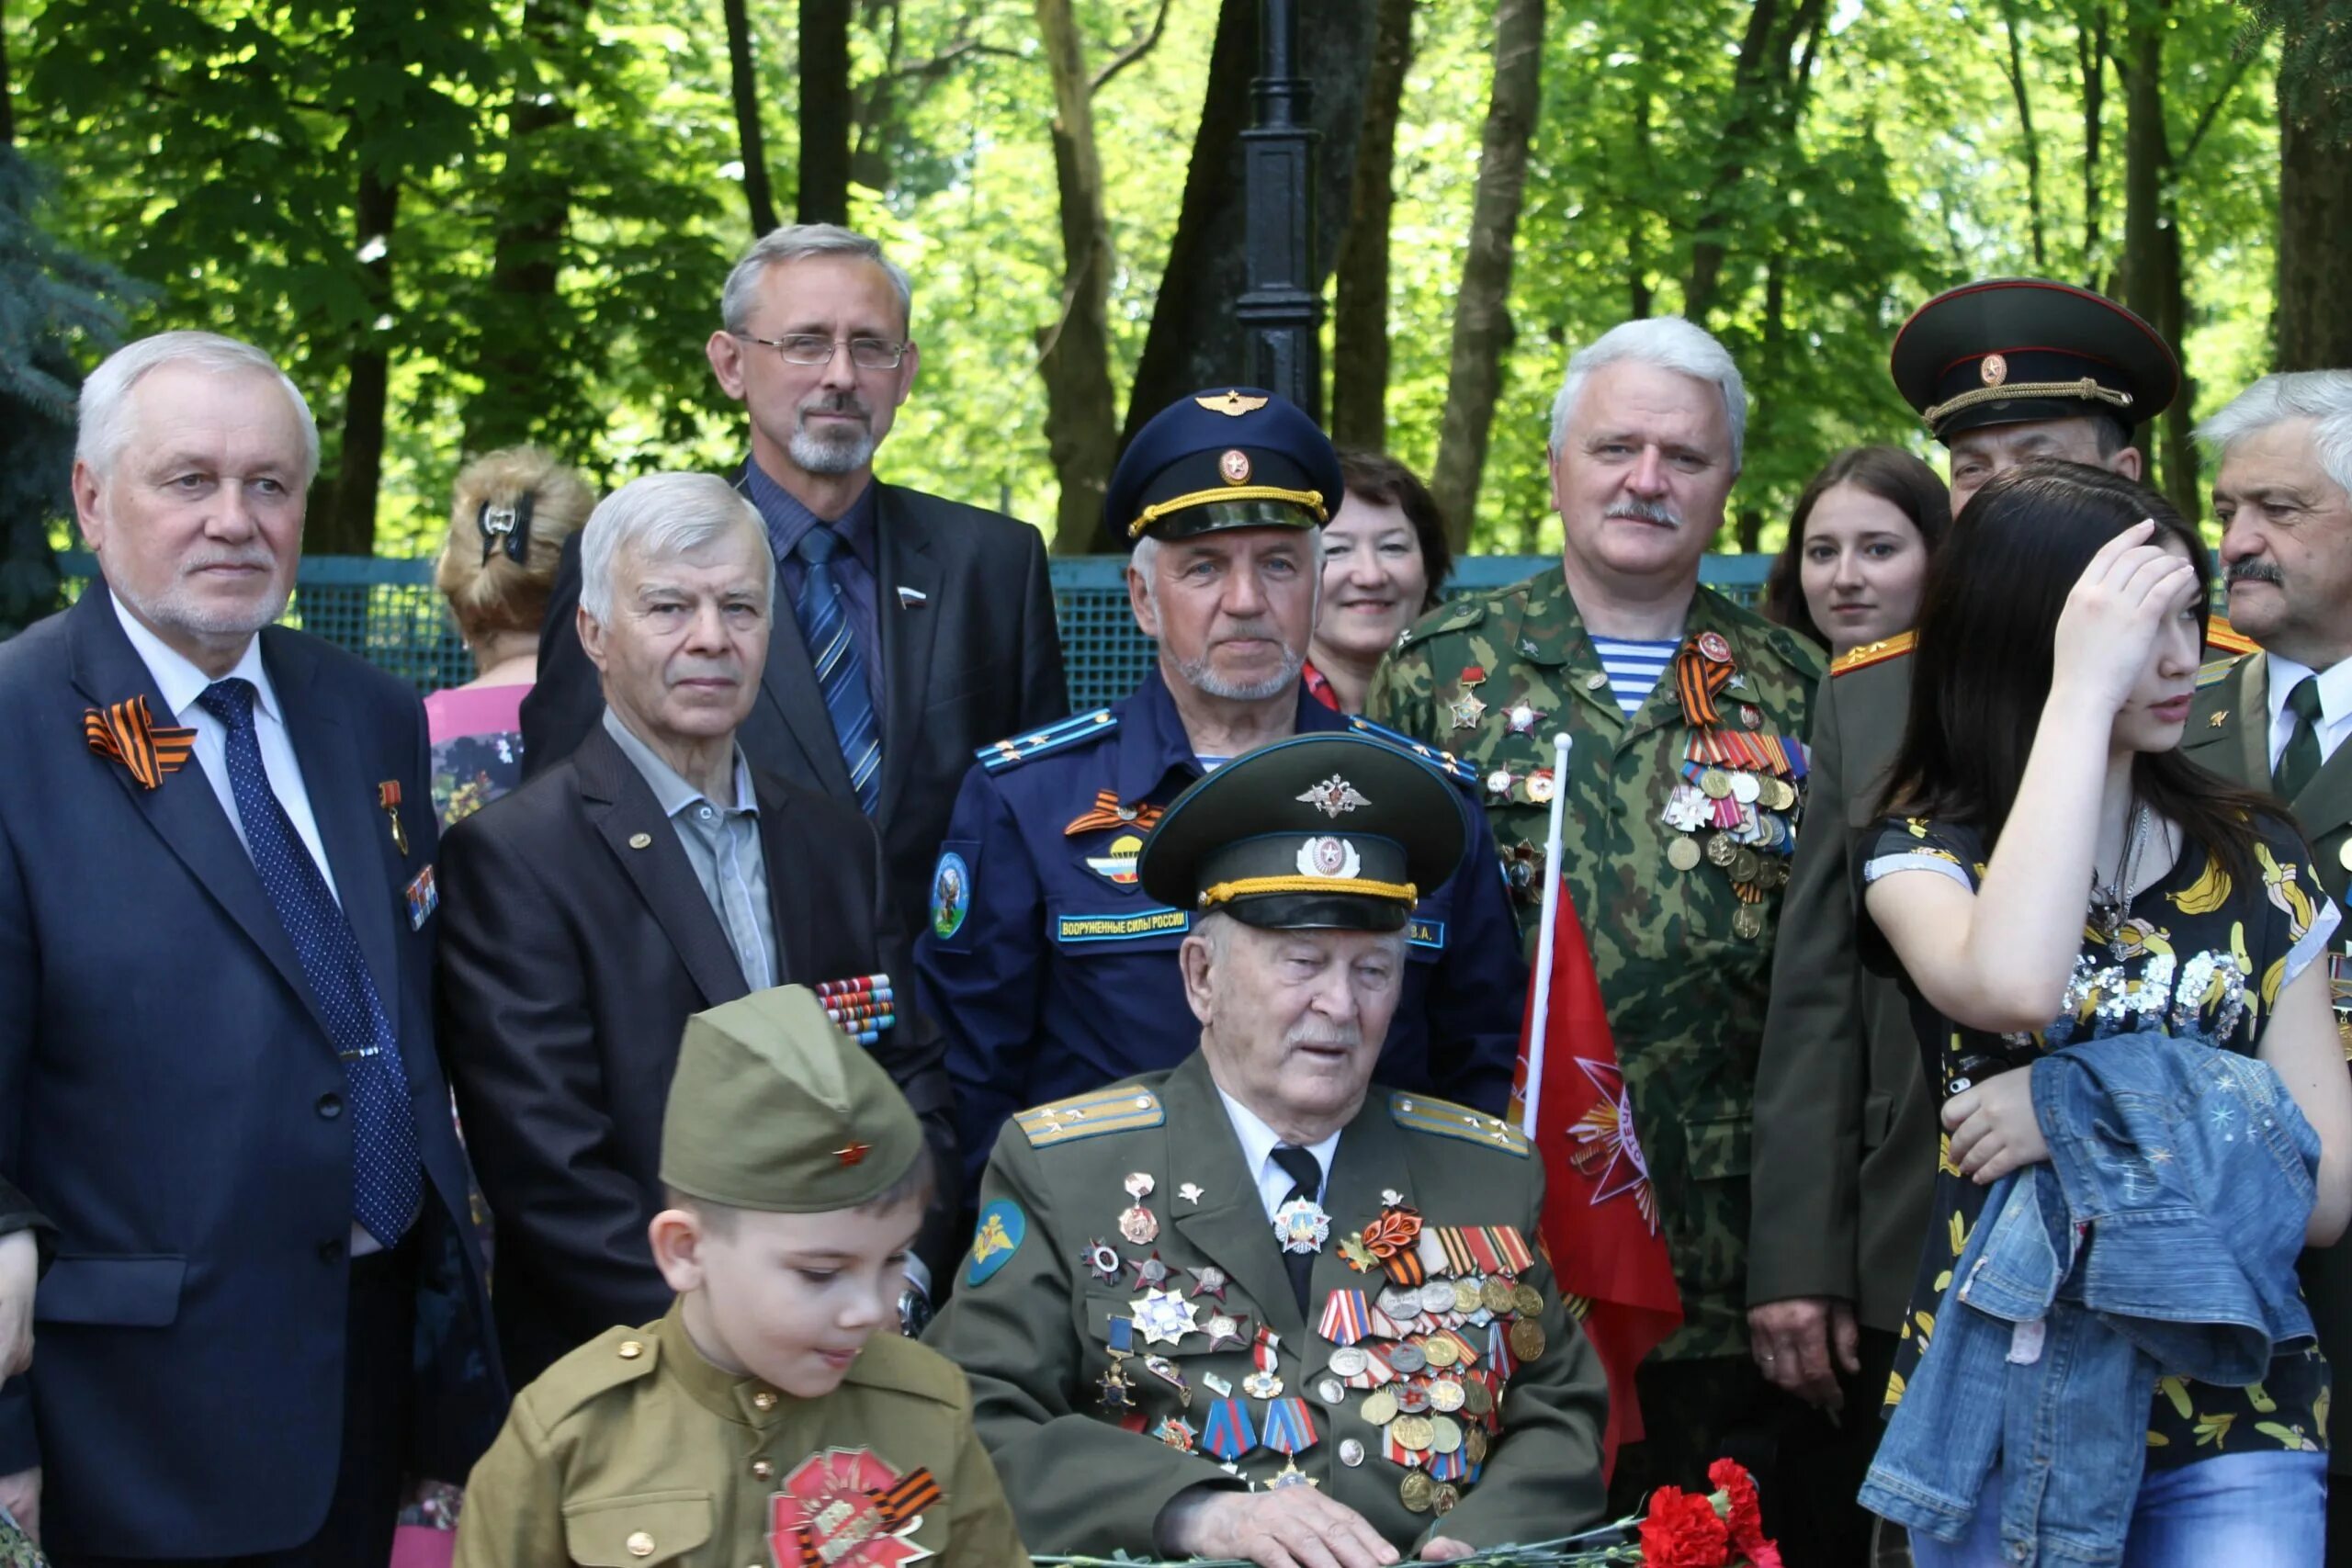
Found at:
(1164, 1317)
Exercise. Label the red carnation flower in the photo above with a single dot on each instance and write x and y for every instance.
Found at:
(1683, 1531)
(1746, 1522)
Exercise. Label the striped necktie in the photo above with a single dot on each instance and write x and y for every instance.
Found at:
(823, 614)
(2300, 762)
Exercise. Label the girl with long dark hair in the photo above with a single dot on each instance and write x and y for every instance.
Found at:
(2053, 870)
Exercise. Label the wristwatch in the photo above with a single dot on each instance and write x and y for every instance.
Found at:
(914, 1312)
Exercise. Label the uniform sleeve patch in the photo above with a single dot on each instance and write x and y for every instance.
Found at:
(998, 1236)
(951, 890)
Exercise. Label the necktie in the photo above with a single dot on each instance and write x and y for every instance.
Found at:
(823, 614)
(2301, 759)
(1306, 1182)
(385, 1179)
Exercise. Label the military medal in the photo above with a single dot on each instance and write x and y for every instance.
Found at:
(1225, 1331)
(1412, 1398)
(1331, 1391)
(388, 797)
(1289, 1475)
(1498, 782)
(1289, 1426)
(1379, 1407)
(1541, 786)
(1439, 1352)
(1495, 1295)
(1437, 1296)
(1208, 1281)
(1447, 1396)
(1345, 1321)
(1414, 1434)
(1118, 1393)
(846, 1507)
(1263, 1384)
(1167, 1372)
(1228, 1433)
(1443, 1499)
(1139, 1225)
(1467, 709)
(1415, 1491)
(1407, 1359)
(1522, 718)
(1349, 1361)
(1351, 1453)
(1103, 1259)
(1466, 1296)
(1747, 925)
(1165, 1317)
(1527, 1339)
(1177, 1434)
(1150, 1272)
(1301, 1225)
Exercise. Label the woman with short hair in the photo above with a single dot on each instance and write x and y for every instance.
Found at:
(1385, 557)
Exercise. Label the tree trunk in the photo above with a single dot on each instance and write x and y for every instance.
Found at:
(1196, 339)
(1482, 307)
(2028, 143)
(2147, 156)
(744, 81)
(523, 319)
(1763, 92)
(1081, 429)
(2090, 53)
(1360, 319)
(349, 526)
(1638, 293)
(827, 111)
(2314, 308)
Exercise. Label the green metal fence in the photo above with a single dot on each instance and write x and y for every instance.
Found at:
(388, 613)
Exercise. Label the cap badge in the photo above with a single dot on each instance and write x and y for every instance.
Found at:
(1234, 467)
(1233, 405)
(1995, 370)
(853, 1154)
(1328, 857)
(1333, 795)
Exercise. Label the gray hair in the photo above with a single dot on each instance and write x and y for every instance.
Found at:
(2324, 396)
(661, 515)
(1671, 343)
(104, 424)
(797, 241)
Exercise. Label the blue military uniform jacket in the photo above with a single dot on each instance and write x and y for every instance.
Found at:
(1052, 973)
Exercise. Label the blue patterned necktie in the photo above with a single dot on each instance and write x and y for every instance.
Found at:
(823, 614)
(385, 1179)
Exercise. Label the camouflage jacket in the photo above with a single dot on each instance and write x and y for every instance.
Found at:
(1684, 956)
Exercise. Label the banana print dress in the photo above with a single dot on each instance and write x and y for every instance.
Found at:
(2198, 954)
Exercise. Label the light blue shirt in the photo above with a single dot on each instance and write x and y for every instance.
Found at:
(722, 843)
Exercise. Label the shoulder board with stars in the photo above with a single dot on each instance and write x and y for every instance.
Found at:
(1443, 1118)
(2221, 637)
(1012, 753)
(1445, 762)
(1872, 653)
(1468, 610)
(1120, 1109)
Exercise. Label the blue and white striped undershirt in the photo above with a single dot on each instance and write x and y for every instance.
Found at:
(1633, 669)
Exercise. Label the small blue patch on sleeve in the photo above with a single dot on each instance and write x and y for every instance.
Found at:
(995, 1239)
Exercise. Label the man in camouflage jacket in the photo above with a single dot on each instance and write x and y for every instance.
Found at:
(1684, 786)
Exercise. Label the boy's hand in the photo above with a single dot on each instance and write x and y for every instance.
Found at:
(1294, 1527)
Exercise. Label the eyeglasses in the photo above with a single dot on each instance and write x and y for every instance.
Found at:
(816, 348)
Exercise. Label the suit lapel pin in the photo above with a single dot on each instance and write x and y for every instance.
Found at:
(388, 797)
(2218, 720)
(640, 840)
(911, 598)
(122, 732)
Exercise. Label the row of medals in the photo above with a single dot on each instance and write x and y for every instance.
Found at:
(1743, 823)
(1418, 1412)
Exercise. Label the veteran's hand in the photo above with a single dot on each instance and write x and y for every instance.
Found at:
(20, 1494)
(19, 1270)
(1445, 1548)
(1793, 1341)
(1993, 1127)
(1294, 1527)
(2108, 630)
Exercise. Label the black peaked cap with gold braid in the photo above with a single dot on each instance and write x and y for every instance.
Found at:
(1317, 832)
(1226, 458)
(2021, 350)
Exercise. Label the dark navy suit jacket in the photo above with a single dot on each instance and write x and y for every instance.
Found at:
(165, 1084)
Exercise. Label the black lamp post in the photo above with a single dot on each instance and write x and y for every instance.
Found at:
(1281, 311)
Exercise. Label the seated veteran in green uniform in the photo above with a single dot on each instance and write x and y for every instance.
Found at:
(1256, 1306)
(762, 1420)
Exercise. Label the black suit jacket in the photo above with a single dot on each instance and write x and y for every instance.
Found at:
(169, 1097)
(572, 960)
(975, 659)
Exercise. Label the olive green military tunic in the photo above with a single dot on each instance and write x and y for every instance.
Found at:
(1683, 959)
(634, 1449)
(2228, 731)
(1845, 1120)
(1034, 1321)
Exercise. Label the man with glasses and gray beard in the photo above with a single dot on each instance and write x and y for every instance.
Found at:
(926, 627)
(1050, 969)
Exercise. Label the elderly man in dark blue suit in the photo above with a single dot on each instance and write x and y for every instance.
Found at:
(217, 1073)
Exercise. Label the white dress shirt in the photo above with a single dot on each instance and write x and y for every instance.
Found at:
(1258, 1144)
(2334, 705)
(182, 682)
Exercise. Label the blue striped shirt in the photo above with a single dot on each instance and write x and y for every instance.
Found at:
(1633, 668)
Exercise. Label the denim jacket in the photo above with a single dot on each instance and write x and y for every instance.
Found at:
(2161, 1237)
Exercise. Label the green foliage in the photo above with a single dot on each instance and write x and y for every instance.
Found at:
(213, 147)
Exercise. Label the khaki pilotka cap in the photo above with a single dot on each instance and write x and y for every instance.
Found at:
(774, 1108)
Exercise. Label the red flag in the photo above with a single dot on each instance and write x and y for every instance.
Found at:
(1599, 1215)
